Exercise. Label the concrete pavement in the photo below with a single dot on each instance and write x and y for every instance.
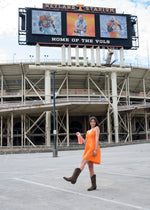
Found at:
(34, 181)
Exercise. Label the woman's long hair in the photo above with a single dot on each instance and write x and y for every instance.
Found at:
(93, 118)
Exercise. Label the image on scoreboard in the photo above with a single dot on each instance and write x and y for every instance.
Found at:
(113, 26)
(46, 22)
(79, 24)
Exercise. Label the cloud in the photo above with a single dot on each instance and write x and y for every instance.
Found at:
(4, 54)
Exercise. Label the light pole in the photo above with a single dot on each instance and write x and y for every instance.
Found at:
(14, 57)
(31, 56)
(148, 55)
(55, 153)
(136, 58)
(46, 56)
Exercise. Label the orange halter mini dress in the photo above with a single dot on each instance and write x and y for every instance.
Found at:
(90, 147)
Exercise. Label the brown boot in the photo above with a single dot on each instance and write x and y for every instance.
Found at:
(93, 181)
(74, 176)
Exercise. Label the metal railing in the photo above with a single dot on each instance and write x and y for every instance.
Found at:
(132, 105)
(60, 100)
(17, 61)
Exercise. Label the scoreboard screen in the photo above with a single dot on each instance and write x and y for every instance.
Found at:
(113, 26)
(46, 22)
(57, 26)
(79, 24)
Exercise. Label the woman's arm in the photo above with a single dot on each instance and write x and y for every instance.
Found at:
(79, 135)
(97, 130)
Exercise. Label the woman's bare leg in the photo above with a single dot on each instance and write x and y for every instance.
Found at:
(91, 168)
(83, 163)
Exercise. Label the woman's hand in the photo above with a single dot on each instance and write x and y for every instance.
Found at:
(95, 152)
(78, 133)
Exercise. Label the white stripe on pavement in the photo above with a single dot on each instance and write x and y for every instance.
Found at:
(80, 194)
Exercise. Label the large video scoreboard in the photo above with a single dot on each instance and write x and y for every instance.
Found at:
(58, 25)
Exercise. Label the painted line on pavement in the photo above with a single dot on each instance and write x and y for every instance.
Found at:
(80, 194)
(131, 175)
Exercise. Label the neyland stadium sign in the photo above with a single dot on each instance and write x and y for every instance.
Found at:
(79, 8)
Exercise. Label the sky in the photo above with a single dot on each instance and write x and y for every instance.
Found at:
(11, 51)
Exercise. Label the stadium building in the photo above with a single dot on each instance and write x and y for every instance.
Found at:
(119, 96)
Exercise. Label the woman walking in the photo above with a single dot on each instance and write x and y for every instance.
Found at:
(92, 153)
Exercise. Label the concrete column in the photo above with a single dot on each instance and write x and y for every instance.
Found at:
(115, 108)
(63, 55)
(130, 126)
(24, 128)
(22, 90)
(2, 92)
(128, 88)
(98, 59)
(22, 131)
(1, 131)
(144, 90)
(77, 55)
(37, 62)
(27, 125)
(92, 57)
(48, 128)
(67, 87)
(47, 86)
(84, 56)
(134, 125)
(108, 86)
(121, 57)
(128, 123)
(48, 113)
(69, 55)
(105, 83)
(146, 126)
(67, 125)
(12, 130)
(109, 126)
(88, 87)
(2, 89)
(8, 131)
(126, 98)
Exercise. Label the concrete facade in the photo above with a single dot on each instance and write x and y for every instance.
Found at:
(119, 96)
